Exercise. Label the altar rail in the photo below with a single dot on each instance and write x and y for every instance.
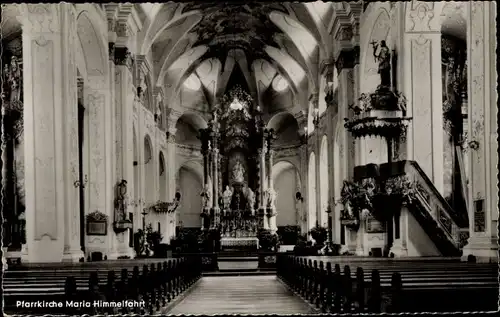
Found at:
(334, 291)
(155, 286)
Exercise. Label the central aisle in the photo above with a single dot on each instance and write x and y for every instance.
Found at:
(240, 295)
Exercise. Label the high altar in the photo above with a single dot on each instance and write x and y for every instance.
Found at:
(238, 195)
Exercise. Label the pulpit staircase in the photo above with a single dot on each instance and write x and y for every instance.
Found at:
(446, 228)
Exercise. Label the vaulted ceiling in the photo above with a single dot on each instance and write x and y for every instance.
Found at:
(196, 47)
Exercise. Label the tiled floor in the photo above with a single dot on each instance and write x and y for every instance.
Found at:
(240, 295)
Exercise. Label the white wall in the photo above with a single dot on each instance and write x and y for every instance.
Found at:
(190, 207)
(285, 185)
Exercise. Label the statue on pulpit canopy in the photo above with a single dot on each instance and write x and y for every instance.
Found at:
(384, 62)
(238, 172)
(121, 200)
(226, 197)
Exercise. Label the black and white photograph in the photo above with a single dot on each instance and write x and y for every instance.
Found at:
(249, 157)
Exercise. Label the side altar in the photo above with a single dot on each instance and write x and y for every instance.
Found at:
(238, 195)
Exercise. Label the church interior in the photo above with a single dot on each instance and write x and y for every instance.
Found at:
(351, 129)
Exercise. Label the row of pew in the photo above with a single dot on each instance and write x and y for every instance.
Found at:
(87, 290)
(340, 285)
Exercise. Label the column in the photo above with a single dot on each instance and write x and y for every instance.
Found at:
(328, 71)
(313, 98)
(215, 201)
(172, 168)
(272, 218)
(262, 166)
(204, 152)
(344, 68)
(72, 249)
(51, 149)
(345, 65)
(124, 91)
(483, 214)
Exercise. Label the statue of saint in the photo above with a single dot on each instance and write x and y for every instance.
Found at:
(271, 195)
(238, 172)
(14, 80)
(250, 199)
(226, 196)
(384, 63)
(206, 196)
(121, 201)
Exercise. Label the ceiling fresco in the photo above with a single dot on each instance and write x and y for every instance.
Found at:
(245, 36)
(227, 26)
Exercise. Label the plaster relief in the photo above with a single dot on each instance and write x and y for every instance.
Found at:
(97, 149)
(422, 103)
(477, 94)
(420, 16)
(45, 166)
(40, 18)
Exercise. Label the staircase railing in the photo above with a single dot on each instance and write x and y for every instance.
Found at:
(429, 198)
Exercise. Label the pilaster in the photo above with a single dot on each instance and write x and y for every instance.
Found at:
(123, 93)
(171, 118)
(423, 90)
(51, 153)
(345, 65)
(481, 42)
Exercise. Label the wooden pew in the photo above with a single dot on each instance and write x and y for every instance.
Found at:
(155, 285)
(391, 287)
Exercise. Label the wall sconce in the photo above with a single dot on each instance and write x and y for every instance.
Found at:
(78, 183)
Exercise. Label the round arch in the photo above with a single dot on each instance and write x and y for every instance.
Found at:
(286, 127)
(136, 175)
(323, 181)
(188, 126)
(277, 119)
(149, 170)
(190, 180)
(312, 216)
(286, 180)
(337, 185)
(91, 43)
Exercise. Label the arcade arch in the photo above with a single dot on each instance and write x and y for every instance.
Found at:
(190, 180)
(323, 181)
(312, 216)
(286, 183)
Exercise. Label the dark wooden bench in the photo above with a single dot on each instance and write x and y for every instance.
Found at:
(154, 285)
(382, 286)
